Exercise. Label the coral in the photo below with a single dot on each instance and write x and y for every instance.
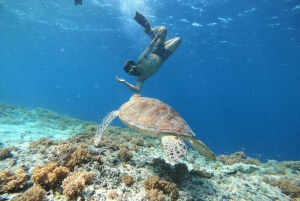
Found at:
(128, 180)
(139, 141)
(82, 137)
(201, 173)
(127, 137)
(70, 155)
(5, 153)
(49, 175)
(155, 195)
(11, 181)
(287, 186)
(35, 193)
(89, 127)
(79, 156)
(75, 183)
(294, 165)
(125, 155)
(112, 194)
(47, 142)
(217, 165)
(150, 144)
(238, 157)
(181, 168)
(163, 169)
(64, 153)
(166, 187)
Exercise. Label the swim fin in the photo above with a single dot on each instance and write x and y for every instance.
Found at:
(139, 18)
(78, 2)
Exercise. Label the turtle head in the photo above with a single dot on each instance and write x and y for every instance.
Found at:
(132, 68)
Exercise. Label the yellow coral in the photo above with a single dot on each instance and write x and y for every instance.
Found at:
(166, 187)
(10, 181)
(75, 183)
(128, 180)
(155, 195)
(49, 175)
(79, 156)
(35, 193)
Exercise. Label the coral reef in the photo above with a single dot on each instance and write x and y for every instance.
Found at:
(128, 180)
(46, 142)
(125, 155)
(75, 183)
(201, 173)
(288, 186)
(179, 172)
(155, 195)
(71, 156)
(49, 175)
(238, 157)
(5, 153)
(295, 165)
(12, 181)
(35, 193)
(64, 160)
(79, 156)
(166, 187)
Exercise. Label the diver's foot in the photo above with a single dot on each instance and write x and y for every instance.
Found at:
(150, 33)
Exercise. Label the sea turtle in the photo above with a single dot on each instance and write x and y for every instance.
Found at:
(153, 117)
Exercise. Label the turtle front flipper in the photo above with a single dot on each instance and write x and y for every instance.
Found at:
(201, 148)
(105, 122)
(174, 147)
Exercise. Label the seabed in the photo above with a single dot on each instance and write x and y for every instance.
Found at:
(47, 156)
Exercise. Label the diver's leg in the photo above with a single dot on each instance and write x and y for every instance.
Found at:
(172, 44)
(162, 31)
(139, 18)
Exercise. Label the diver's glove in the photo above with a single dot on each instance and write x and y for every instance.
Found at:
(139, 18)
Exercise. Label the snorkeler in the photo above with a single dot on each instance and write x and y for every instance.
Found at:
(158, 49)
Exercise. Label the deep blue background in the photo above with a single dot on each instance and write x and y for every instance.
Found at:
(235, 78)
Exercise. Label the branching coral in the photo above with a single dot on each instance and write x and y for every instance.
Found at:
(70, 156)
(125, 155)
(128, 180)
(11, 181)
(287, 186)
(166, 187)
(35, 193)
(47, 142)
(79, 156)
(155, 195)
(75, 183)
(238, 157)
(49, 175)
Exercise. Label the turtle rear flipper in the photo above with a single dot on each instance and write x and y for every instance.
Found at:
(201, 148)
(174, 147)
(105, 122)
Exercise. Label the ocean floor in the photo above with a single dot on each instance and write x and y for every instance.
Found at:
(47, 156)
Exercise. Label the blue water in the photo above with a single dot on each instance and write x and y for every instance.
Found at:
(235, 78)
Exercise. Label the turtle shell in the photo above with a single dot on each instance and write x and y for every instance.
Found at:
(150, 115)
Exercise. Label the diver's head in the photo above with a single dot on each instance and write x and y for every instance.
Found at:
(132, 68)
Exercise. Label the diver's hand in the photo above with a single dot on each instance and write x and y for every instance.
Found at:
(120, 80)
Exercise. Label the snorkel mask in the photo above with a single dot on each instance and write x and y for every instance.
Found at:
(131, 68)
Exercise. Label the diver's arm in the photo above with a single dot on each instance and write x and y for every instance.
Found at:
(135, 89)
